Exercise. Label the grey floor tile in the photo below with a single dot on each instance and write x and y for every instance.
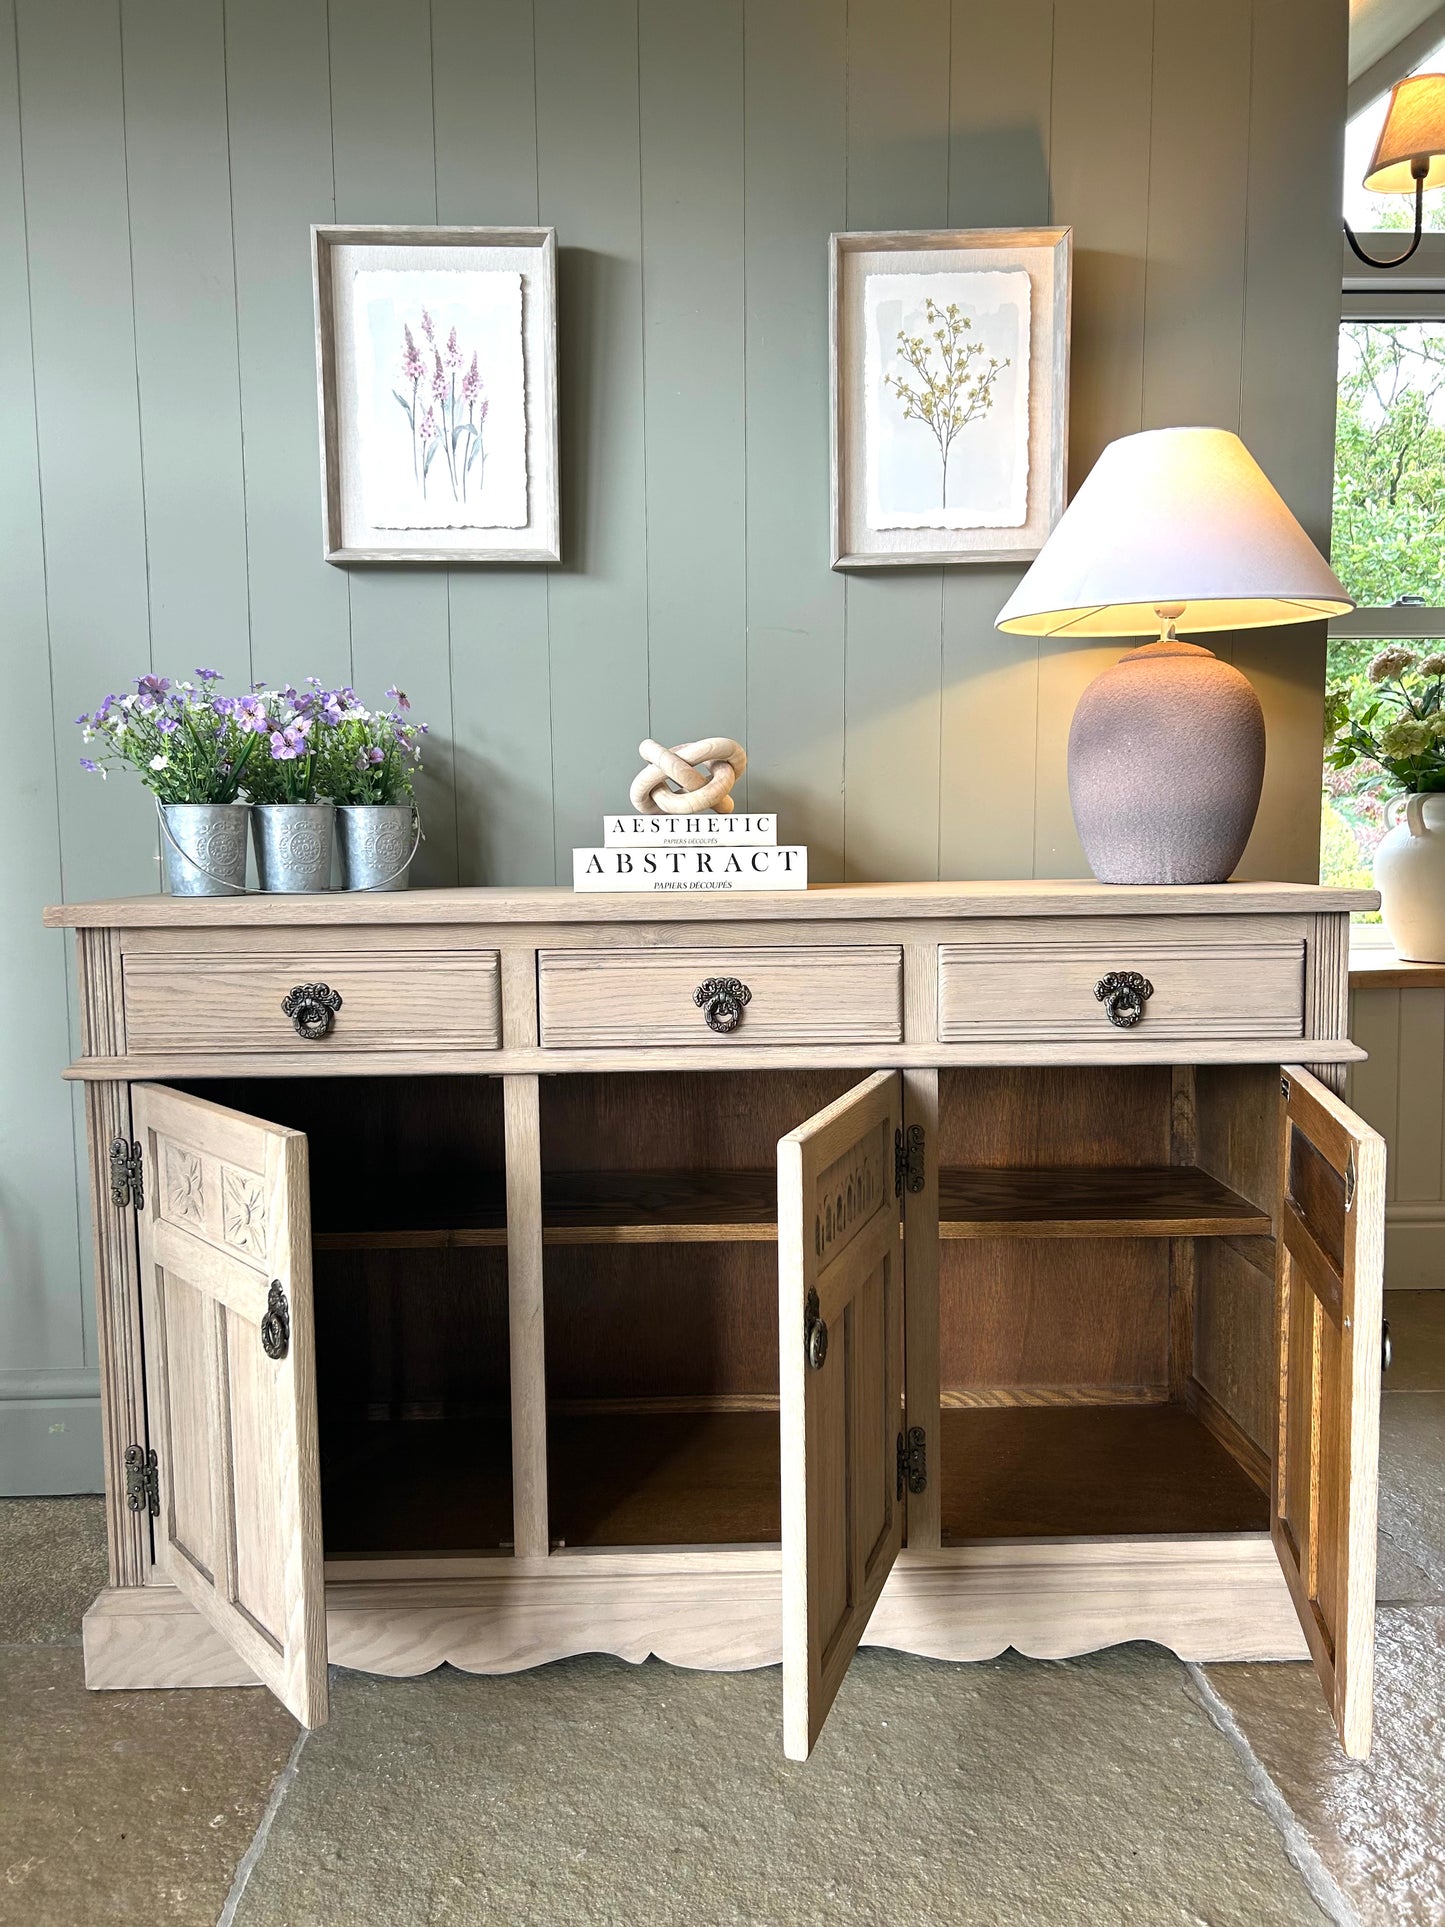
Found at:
(1011, 1793)
(52, 1564)
(1412, 1479)
(1377, 1823)
(126, 1807)
(1417, 1332)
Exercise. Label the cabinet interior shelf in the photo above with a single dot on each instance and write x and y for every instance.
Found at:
(681, 1207)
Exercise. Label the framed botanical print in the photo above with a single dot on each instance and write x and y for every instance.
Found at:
(949, 368)
(436, 362)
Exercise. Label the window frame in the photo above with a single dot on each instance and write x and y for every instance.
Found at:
(1415, 292)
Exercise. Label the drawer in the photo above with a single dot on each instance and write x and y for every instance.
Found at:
(613, 998)
(389, 1000)
(1045, 989)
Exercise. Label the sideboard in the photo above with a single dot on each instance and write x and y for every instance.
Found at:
(487, 1276)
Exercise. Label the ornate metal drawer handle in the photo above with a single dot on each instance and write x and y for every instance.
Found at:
(311, 1008)
(276, 1323)
(721, 1001)
(1124, 993)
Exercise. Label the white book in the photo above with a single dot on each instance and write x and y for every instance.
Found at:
(707, 828)
(673, 869)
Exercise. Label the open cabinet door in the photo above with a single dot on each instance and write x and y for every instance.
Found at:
(840, 1295)
(1322, 1508)
(225, 1250)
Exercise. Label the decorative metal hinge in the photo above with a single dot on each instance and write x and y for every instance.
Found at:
(126, 1174)
(142, 1481)
(912, 1460)
(908, 1160)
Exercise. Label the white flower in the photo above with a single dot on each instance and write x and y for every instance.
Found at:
(128, 702)
(160, 762)
(1392, 663)
(118, 728)
(1405, 738)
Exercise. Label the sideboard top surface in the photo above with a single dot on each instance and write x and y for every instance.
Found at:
(823, 904)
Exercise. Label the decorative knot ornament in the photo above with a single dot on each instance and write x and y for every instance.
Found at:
(652, 792)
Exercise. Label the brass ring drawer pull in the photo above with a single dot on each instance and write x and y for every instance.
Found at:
(1124, 993)
(721, 1001)
(311, 1008)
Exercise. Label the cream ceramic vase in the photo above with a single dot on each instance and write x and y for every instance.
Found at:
(1410, 875)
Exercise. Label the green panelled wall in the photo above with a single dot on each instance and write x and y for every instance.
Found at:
(160, 161)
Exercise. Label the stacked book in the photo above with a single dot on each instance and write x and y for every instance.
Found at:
(703, 852)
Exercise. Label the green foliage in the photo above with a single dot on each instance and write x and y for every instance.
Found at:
(1389, 510)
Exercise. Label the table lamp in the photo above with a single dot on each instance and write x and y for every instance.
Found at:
(1174, 531)
(1409, 155)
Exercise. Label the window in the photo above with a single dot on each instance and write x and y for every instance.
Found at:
(1388, 543)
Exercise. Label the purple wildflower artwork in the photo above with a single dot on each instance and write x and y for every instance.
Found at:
(445, 416)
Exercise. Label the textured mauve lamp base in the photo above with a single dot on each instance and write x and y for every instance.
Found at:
(1166, 763)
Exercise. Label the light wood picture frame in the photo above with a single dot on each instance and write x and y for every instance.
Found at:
(948, 394)
(436, 370)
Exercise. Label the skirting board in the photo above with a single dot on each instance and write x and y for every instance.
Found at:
(49, 1446)
(1204, 1597)
(1415, 1246)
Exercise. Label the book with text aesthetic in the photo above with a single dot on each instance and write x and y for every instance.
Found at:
(674, 868)
(738, 827)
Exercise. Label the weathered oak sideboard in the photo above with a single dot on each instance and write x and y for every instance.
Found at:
(492, 1275)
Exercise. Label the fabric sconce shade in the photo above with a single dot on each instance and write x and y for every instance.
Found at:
(1414, 130)
(1174, 531)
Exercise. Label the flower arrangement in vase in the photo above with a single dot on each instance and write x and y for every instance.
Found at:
(1398, 725)
(286, 757)
(369, 757)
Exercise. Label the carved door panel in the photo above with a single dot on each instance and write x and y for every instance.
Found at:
(225, 1248)
(840, 1277)
(1330, 1262)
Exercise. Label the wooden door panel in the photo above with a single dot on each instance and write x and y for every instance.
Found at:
(225, 1245)
(839, 1262)
(1330, 1262)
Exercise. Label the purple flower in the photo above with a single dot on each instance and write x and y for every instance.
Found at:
(454, 353)
(210, 675)
(399, 697)
(94, 768)
(287, 744)
(428, 327)
(412, 366)
(485, 406)
(167, 725)
(439, 386)
(471, 382)
(224, 706)
(152, 685)
(429, 430)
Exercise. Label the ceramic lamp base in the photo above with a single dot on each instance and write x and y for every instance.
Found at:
(1166, 764)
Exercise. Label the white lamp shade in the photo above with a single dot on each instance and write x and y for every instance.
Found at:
(1174, 516)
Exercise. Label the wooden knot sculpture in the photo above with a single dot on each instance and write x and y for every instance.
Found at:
(652, 792)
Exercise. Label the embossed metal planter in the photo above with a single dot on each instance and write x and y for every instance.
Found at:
(377, 843)
(293, 845)
(204, 845)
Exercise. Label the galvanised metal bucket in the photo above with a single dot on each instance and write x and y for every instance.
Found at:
(293, 845)
(377, 842)
(205, 848)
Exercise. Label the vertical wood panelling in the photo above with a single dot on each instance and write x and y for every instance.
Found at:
(1287, 408)
(486, 176)
(1001, 87)
(694, 156)
(795, 132)
(1374, 1084)
(898, 124)
(279, 122)
(691, 118)
(179, 194)
(591, 192)
(1099, 163)
(73, 141)
(1419, 1149)
(384, 154)
(41, 1320)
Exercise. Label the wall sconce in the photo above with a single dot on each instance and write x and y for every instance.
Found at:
(1409, 155)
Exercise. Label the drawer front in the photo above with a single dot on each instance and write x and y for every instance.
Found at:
(397, 1000)
(614, 998)
(1046, 991)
